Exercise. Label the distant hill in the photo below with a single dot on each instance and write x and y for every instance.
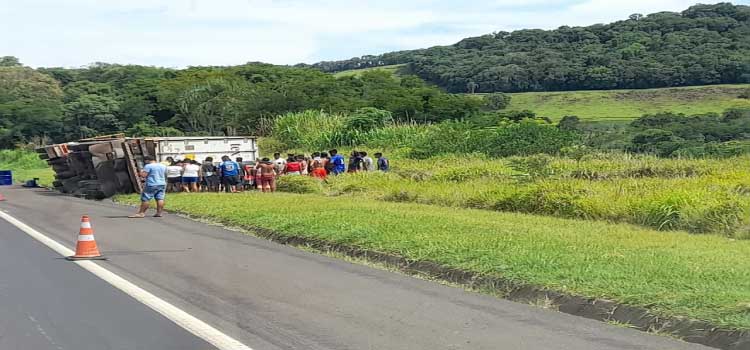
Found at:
(624, 105)
(705, 44)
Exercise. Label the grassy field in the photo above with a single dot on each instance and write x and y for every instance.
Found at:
(673, 273)
(393, 69)
(618, 105)
(613, 105)
(696, 195)
(26, 166)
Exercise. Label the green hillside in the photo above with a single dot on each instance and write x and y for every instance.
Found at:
(702, 45)
(394, 69)
(613, 105)
(631, 104)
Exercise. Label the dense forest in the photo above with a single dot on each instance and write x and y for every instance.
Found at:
(57, 104)
(705, 44)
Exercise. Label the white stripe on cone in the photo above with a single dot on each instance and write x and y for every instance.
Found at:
(85, 224)
(82, 238)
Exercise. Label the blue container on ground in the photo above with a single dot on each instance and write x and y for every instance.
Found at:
(6, 177)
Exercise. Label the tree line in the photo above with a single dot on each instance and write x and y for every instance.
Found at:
(705, 44)
(58, 104)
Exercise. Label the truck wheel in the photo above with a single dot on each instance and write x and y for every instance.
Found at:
(65, 174)
(58, 168)
(58, 160)
(90, 185)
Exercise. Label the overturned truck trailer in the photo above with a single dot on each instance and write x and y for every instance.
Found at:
(101, 167)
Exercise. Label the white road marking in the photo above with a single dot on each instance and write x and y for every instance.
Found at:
(176, 315)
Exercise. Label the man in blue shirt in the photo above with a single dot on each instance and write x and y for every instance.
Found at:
(383, 164)
(339, 166)
(230, 174)
(154, 175)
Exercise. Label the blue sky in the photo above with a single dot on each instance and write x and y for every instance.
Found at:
(180, 33)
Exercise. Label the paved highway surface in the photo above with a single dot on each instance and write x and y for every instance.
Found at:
(266, 295)
(48, 303)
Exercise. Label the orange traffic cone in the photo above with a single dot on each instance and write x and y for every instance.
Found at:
(86, 247)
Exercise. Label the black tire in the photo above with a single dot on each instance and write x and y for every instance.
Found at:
(59, 168)
(90, 185)
(65, 174)
(70, 185)
(57, 161)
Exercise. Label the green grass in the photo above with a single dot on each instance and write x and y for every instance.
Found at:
(26, 165)
(616, 105)
(393, 69)
(673, 273)
(697, 195)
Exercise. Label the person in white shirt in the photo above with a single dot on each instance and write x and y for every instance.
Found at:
(369, 163)
(174, 176)
(190, 174)
(279, 163)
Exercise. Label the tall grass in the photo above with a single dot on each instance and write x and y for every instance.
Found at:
(697, 195)
(310, 129)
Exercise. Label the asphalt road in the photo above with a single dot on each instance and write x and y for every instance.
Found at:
(270, 296)
(49, 303)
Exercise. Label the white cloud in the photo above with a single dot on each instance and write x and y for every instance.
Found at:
(221, 32)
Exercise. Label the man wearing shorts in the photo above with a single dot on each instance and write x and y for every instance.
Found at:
(267, 171)
(154, 175)
(230, 173)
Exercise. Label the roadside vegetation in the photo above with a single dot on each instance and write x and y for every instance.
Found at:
(698, 196)
(26, 165)
(673, 273)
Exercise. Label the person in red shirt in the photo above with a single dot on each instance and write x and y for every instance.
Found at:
(293, 167)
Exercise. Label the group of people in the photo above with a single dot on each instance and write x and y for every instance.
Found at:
(229, 175)
(189, 175)
(319, 165)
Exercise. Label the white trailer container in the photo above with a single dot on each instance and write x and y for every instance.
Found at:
(200, 147)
